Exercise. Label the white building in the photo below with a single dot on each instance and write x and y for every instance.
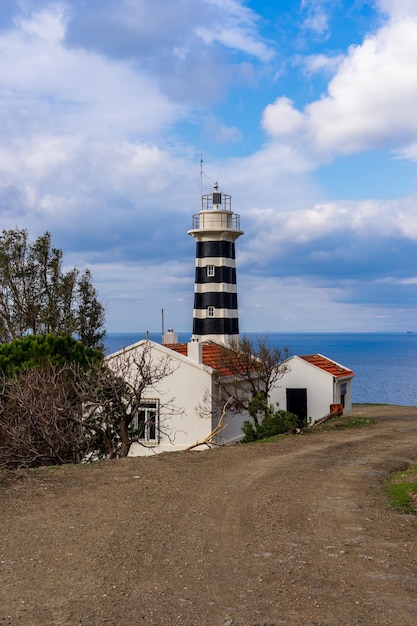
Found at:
(183, 408)
(311, 385)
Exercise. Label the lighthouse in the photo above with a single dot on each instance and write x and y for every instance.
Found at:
(215, 229)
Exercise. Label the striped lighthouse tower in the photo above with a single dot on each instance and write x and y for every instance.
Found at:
(215, 229)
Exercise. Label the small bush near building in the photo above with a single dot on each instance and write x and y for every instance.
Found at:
(275, 422)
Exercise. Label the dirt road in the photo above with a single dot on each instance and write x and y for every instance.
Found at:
(296, 532)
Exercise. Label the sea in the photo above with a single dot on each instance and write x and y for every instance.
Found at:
(385, 364)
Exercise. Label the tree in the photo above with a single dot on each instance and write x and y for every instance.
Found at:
(112, 395)
(90, 313)
(38, 297)
(255, 366)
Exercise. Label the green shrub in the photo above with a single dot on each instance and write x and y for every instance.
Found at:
(249, 431)
(42, 351)
(274, 422)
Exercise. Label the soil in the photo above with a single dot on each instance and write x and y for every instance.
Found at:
(296, 532)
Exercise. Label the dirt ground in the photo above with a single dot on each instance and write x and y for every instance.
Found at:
(296, 532)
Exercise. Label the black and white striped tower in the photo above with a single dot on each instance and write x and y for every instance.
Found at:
(215, 229)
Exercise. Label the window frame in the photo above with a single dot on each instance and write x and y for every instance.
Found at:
(150, 422)
(211, 311)
(211, 271)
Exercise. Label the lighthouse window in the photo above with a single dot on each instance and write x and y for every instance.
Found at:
(211, 271)
(210, 311)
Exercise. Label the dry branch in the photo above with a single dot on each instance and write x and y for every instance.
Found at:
(208, 441)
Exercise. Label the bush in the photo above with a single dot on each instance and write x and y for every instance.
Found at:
(275, 422)
(41, 409)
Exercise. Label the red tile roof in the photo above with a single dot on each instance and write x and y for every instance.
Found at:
(214, 355)
(181, 348)
(328, 365)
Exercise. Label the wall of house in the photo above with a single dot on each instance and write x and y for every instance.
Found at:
(348, 395)
(180, 394)
(186, 405)
(233, 432)
(303, 375)
(232, 423)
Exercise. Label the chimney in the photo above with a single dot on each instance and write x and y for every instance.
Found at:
(195, 350)
(170, 337)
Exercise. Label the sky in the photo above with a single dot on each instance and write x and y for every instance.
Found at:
(303, 111)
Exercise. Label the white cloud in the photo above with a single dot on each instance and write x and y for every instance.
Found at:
(318, 22)
(100, 196)
(406, 220)
(408, 152)
(288, 304)
(237, 30)
(371, 100)
(65, 90)
(373, 97)
(317, 19)
(326, 233)
(409, 281)
(198, 43)
(319, 63)
(238, 40)
(398, 8)
(134, 298)
(220, 133)
(281, 118)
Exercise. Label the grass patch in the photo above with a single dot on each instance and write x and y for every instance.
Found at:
(352, 421)
(402, 490)
(373, 404)
(347, 421)
(273, 438)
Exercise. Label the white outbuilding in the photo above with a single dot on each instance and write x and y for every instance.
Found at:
(312, 385)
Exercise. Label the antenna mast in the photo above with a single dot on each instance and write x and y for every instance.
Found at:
(201, 176)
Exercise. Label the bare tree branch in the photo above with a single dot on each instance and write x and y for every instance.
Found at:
(255, 367)
(209, 441)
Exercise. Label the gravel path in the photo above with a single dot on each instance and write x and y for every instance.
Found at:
(296, 532)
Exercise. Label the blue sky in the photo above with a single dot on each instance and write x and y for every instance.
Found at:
(303, 111)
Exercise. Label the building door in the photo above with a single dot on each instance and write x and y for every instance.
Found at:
(297, 403)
